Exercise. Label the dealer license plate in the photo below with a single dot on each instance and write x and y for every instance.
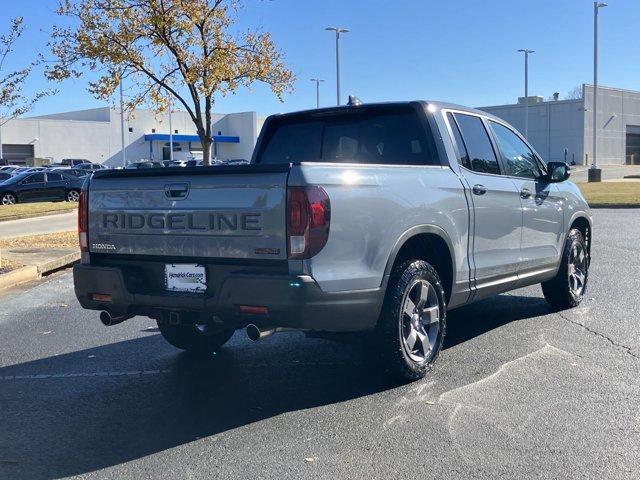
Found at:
(185, 278)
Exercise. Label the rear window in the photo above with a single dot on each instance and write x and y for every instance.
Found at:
(393, 136)
(54, 177)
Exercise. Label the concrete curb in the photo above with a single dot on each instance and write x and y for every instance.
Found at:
(33, 272)
(35, 215)
(612, 205)
(18, 276)
(57, 263)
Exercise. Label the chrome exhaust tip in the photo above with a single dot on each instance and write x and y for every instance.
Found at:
(255, 333)
(108, 320)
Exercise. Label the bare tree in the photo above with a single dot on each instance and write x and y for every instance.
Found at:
(574, 94)
(13, 102)
(186, 48)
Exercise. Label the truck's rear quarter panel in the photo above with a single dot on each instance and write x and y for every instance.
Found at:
(372, 206)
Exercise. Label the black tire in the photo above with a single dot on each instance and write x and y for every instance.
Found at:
(561, 291)
(72, 196)
(393, 324)
(8, 198)
(192, 339)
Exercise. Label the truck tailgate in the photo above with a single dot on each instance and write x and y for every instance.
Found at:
(213, 212)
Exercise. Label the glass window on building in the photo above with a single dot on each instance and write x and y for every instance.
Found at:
(633, 145)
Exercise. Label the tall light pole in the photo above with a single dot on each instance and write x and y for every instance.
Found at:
(124, 157)
(594, 172)
(170, 133)
(338, 31)
(317, 80)
(526, 52)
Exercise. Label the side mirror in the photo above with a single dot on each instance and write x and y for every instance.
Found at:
(557, 172)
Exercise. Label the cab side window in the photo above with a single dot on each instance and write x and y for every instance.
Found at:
(480, 152)
(519, 159)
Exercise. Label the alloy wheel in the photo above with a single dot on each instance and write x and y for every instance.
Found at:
(8, 199)
(420, 323)
(73, 196)
(577, 269)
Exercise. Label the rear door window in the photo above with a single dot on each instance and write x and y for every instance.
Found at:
(482, 158)
(390, 136)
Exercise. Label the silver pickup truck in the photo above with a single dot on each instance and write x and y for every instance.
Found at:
(370, 218)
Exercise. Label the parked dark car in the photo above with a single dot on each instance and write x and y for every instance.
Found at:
(40, 187)
(138, 165)
(91, 166)
(236, 161)
(13, 169)
(183, 163)
(74, 162)
(76, 172)
(175, 163)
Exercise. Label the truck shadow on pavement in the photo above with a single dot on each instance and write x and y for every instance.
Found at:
(97, 408)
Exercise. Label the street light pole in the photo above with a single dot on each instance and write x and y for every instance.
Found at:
(317, 80)
(338, 31)
(526, 90)
(594, 172)
(170, 133)
(124, 158)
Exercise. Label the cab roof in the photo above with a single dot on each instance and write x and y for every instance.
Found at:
(424, 103)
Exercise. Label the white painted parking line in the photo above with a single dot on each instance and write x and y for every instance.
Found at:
(131, 373)
(42, 376)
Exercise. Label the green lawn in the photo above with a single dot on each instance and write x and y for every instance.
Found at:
(7, 212)
(609, 193)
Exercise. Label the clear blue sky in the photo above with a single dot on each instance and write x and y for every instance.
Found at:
(462, 51)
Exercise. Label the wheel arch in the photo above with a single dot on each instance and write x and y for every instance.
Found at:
(582, 222)
(430, 243)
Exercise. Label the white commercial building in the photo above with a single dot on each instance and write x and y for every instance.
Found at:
(95, 134)
(563, 129)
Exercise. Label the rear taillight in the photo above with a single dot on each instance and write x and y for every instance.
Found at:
(308, 219)
(83, 218)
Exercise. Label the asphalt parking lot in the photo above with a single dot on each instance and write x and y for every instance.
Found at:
(519, 391)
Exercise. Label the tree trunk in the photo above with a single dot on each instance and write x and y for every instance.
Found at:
(206, 150)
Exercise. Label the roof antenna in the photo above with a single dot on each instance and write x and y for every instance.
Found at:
(354, 101)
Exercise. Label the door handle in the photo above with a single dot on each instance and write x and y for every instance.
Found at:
(525, 193)
(479, 189)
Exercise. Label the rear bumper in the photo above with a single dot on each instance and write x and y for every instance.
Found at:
(294, 301)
